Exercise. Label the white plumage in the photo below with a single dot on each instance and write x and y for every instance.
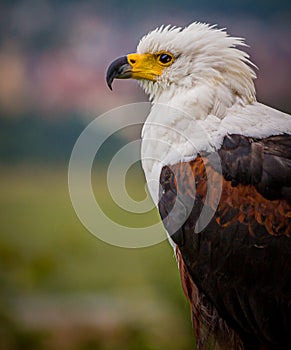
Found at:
(206, 93)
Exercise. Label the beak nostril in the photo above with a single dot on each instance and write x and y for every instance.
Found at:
(132, 61)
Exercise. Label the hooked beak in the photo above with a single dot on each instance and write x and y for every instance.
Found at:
(118, 69)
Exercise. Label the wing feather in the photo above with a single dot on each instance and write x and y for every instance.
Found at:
(240, 263)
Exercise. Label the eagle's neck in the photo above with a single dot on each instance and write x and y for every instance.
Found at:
(177, 129)
(201, 98)
(181, 124)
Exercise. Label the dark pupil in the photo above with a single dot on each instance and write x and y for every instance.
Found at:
(164, 58)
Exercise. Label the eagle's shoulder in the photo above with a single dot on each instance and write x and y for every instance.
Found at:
(254, 176)
(263, 163)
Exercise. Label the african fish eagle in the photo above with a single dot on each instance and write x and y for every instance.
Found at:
(206, 128)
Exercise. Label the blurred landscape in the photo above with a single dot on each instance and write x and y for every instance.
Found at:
(60, 287)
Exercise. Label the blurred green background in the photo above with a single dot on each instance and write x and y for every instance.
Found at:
(60, 287)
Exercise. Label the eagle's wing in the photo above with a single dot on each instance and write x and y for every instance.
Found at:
(236, 271)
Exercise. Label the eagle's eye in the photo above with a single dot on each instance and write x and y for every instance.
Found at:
(165, 58)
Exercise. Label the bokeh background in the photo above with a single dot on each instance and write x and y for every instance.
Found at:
(60, 287)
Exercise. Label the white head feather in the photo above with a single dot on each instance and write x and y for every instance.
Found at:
(204, 55)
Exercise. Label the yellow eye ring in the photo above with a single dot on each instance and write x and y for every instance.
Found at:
(165, 58)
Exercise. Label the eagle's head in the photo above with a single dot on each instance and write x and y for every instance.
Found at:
(170, 60)
(195, 73)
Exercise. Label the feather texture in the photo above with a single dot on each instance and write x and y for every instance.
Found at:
(240, 264)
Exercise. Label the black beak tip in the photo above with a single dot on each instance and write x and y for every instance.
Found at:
(109, 80)
(115, 70)
(109, 85)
